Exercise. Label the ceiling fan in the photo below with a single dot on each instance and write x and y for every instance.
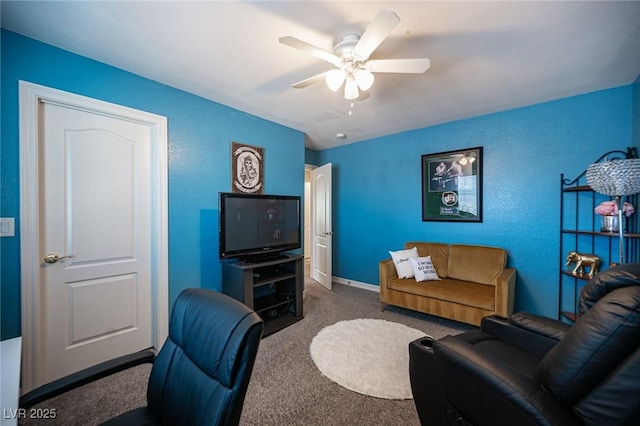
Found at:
(350, 56)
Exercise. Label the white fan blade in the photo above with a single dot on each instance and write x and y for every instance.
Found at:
(407, 66)
(378, 30)
(308, 48)
(309, 81)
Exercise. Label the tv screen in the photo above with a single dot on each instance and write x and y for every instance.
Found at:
(255, 225)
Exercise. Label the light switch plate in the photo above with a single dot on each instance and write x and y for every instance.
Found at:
(7, 227)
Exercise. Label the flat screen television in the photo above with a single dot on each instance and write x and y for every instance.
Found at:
(253, 227)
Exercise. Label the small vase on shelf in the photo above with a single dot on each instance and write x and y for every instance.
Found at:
(609, 224)
(611, 216)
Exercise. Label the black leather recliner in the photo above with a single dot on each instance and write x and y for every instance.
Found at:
(201, 374)
(532, 370)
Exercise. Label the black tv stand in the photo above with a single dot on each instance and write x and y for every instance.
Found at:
(261, 258)
(272, 288)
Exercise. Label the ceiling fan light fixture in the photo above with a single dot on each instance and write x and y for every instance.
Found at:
(335, 78)
(364, 79)
(351, 88)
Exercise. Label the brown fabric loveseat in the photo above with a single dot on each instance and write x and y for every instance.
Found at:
(475, 282)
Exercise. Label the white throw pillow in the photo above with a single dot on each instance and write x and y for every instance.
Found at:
(401, 260)
(423, 269)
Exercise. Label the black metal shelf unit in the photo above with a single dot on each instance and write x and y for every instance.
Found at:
(580, 231)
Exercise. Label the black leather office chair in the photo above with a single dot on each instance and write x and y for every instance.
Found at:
(532, 370)
(201, 374)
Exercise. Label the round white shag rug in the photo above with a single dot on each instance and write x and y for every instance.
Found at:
(368, 356)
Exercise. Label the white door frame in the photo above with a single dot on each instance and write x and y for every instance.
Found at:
(307, 211)
(30, 97)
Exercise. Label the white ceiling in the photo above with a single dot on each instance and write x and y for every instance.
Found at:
(485, 56)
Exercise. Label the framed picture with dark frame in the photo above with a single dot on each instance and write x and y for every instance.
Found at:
(247, 168)
(452, 186)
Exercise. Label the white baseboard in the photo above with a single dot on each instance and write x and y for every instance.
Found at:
(365, 286)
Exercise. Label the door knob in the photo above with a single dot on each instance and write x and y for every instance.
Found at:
(53, 258)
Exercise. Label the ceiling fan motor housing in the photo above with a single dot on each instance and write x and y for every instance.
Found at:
(345, 48)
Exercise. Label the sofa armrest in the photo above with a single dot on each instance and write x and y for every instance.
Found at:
(475, 381)
(387, 271)
(527, 339)
(505, 292)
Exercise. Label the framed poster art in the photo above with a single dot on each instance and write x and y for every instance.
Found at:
(452, 186)
(247, 169)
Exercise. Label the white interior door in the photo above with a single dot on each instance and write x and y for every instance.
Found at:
(322, 234)
(95, 241)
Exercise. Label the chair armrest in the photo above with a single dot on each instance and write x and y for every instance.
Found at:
(543, 326)
(505, 292)
(88, 375)
(474, 381)
(428, 396)
(525, 338)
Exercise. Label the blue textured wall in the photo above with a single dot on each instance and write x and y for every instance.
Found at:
(377, 188)
(200, 135)
(312, 157)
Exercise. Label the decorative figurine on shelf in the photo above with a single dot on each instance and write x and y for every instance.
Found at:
(608, 210)
(581, 260)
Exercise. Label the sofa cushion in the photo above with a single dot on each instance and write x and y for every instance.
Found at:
(456, 291)
(423, 269)
(401, 261)
(478, 264)
(437, 251)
